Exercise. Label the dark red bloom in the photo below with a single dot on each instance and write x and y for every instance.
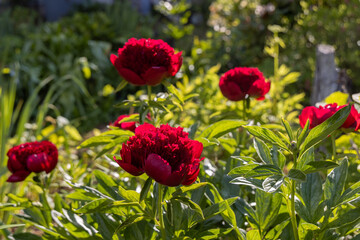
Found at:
(146, 61)
(125, 125)
(236, 83)
(166, 154)
(31, 157)
(318, 115)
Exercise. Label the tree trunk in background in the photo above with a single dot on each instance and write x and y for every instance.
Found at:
(326, 76)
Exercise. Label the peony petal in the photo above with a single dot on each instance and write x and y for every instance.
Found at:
(176, 61)
(196, 148)
(14, 165)
(231, 90)
(131, 126)
(307, 113)
(18, 176)
(352, 120)
(175, 179)
(154, 75)
(131, 77)
(38, 163)
(113, 58)
(130, 168)
(143, 128)
(157, 168)
(193, 172)
(259, 88)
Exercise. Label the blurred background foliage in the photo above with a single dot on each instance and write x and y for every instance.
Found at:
(57, 82)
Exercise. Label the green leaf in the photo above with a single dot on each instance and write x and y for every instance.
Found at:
(242, 170)
(192, 187)
(350, 193)
(218, 208)
(320, 132)
(266, 135)
(247, 210)
(302, 211)
(117, 132)
(191, 204)
(11, 226)
(95, 141)
(262, 151)
(229, 144)
(316, 166)
(94, 206)
(106, 226)
(107, 184)
(228, 215)
(145, 189)
(311, 192)
(255, 183)
(267, 208)
(309, 226)
(306, 158)
(129, 195)
(129, 221)
(344, 219)
(335, 183)
(220, 128)
(26, 236)
(172, 89)
(304, 133)
(116, 142)
(277, 157)
(36, 215)
(272, 183)
(264, 170)
(275, 232)
(297, 175)
(288, 129)
(81, 196)
(253, 235)
(122, 84)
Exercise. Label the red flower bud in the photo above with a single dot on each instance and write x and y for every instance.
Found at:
(125, 125)
(146, 61)
(31, 157)
(318, 115)
(165, 154)
(236, 83)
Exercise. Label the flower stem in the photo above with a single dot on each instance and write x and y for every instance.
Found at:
(161, 219)
(292, 202)
(244, 110)
(292, 208)
(149, 93)
(333, 146)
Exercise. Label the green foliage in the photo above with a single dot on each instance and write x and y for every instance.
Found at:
(260, 177)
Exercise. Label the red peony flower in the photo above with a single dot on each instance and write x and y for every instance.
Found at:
(125, 125)
(236, 83)
(31, 157)
(146, 61)
(318, 115)
(165, 154)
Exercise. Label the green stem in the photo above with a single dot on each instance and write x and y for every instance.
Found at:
(292, 208)
(333, 146)
(161, 219)
(244, 110)
(149, 92)
(292, 202)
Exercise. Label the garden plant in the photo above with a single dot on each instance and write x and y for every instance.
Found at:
(196, 151)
